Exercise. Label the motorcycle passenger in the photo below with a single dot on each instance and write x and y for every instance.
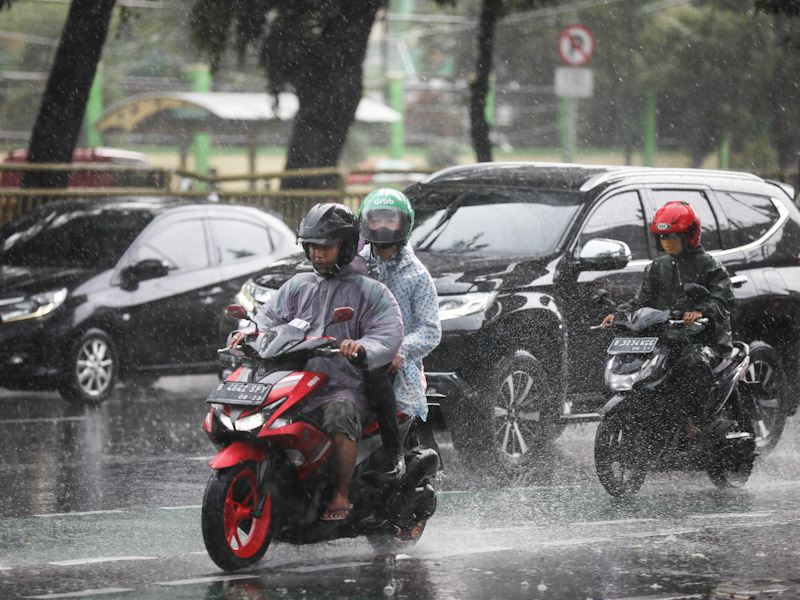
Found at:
(676, 228)
(386, 219)
(329, 235)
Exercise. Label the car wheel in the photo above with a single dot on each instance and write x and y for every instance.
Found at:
(765, 384)
(91, 369)
(511, 419)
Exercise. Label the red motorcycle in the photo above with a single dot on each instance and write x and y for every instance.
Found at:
(273, 472)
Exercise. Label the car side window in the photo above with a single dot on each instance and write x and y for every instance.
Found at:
(234, 239)
(709, 237)
(749, 216)
(181, 243)
(620, 217)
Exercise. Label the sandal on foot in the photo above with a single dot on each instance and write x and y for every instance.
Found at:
(339, 509)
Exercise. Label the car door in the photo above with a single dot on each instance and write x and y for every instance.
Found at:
(170, 319)
(241, 245)
(623, 216)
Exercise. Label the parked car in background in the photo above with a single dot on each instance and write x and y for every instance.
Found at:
(401, 172)
(519, 252)
(115, 156)
(93, 291)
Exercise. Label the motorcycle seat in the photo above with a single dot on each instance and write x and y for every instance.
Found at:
(373, 427)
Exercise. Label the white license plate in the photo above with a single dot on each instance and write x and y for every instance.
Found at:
(234, 392)
(636, 345)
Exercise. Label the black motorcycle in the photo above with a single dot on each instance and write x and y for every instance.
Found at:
(639, 431)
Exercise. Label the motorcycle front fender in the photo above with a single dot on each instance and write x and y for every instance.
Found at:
(611, 404)
(237, 452)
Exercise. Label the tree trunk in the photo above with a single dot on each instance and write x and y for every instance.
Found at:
(329, 94)
(58, 123)
(479, 89)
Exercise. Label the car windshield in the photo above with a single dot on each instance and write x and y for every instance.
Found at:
(82, 238)
(508, 222)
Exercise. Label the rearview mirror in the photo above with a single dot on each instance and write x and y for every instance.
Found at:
(696, 292)
(342, 314)
(237, 311)
(601, 254)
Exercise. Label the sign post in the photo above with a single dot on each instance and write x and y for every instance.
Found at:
(576, 48)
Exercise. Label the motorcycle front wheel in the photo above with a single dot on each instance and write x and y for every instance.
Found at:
(234, 538)
(617, 457)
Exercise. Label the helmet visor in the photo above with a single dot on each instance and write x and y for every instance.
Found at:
(384, 225)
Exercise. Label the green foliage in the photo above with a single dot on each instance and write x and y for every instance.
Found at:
(706, 85)
(443, 153)
(790, 8)
(756, 155)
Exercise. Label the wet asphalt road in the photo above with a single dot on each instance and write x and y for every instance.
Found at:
(105, 503)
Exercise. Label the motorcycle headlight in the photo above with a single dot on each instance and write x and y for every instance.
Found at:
(452, 307)
(251, 422)
(32, 307)
(624, 381)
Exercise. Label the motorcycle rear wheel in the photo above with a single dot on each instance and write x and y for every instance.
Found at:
(616, 457)
(233, 538)
(731, 463)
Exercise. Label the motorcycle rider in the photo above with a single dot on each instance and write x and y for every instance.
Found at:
(329, 235)
(385, 222)
(676, 228)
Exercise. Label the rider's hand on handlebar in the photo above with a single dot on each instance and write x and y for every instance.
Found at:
(237, 339)
(349, 348)
(691, 316)
(608, 321)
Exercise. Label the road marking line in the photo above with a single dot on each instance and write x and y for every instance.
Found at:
(187, 506)
(664, 597)
(315, 568)
(207, 579)
(99, 559)
(83, 593)
(42, 420)
(79, 514)
(758, 515)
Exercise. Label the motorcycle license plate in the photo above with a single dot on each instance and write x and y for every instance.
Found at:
(234, 392)
(637, 345)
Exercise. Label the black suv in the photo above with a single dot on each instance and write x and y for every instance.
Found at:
(519, 252)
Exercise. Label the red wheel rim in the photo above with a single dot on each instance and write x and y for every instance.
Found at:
(244, 534)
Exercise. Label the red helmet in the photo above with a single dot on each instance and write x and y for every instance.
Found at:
(677, 217)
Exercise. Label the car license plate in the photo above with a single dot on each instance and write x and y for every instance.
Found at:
(234, 392)
(638, 345)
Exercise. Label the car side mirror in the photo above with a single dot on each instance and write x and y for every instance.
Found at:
(149, 268)
(601, 254)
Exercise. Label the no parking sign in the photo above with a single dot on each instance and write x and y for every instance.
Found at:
(576, 45)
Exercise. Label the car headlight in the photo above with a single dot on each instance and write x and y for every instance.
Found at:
(452, 307)
(252, 296)
(32, 307)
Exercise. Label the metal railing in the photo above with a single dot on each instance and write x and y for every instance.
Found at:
(264, 189)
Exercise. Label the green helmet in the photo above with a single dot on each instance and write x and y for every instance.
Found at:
(385, 217)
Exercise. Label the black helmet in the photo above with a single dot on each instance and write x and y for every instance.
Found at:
(329, 222)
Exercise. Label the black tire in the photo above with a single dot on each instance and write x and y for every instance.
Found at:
(234, 540)
(510, 420)
(765, 384)
(731, 461)
(91, 367)
(618, 457)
